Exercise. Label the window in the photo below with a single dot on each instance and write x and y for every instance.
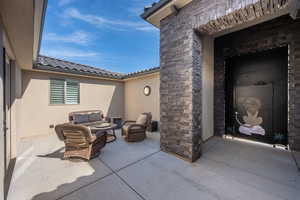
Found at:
(64, 91)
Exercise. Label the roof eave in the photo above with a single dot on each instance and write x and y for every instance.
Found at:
(22, 24)
(40, 8)
(75, 72)
(155, 8)
(45, 63)
(43, 68)
(162, 9)
(141, 73)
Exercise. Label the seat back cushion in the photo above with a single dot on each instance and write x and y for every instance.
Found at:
(95, 116)
(142, 119)
(89, 116)
(80, 118)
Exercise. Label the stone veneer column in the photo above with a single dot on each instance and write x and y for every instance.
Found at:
(294, 88)
(180, 88)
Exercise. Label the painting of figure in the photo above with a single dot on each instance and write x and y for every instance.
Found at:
(251, 120)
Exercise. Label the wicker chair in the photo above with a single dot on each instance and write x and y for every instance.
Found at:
(134, 131)
(79, 141)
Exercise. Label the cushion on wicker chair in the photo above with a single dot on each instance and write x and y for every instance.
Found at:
(126, 127)
(142, 119)
(96, 116)
(81, 118)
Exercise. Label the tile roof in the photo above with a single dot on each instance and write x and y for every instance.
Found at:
(58, 65)
(142, 72)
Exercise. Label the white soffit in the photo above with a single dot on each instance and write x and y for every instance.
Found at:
(22, 26)
(165, 11)
(39, 16)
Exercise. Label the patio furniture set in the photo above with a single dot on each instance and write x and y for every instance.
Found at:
(87, 132)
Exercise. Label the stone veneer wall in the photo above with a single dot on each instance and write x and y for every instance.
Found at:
(180, 86)
(180, 75)
(283, 31)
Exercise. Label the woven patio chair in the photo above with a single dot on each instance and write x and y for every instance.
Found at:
(79, 141)
(134, 131)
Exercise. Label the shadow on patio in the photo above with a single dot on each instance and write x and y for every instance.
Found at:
(40, 172)
(228, 169)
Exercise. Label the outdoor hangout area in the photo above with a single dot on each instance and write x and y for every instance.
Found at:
(143, 100)
(88, 132)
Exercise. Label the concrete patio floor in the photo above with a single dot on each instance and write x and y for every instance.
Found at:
(228, 169)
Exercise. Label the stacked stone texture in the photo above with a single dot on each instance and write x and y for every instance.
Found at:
(181, 68)
(180, 87)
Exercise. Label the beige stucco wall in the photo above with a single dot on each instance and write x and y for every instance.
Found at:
(37, 114)
(16, 93)
(2, 143)
(135, 100)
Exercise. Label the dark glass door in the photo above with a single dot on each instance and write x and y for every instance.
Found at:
(256, 96)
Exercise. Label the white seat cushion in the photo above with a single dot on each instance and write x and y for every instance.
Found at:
(142, 119)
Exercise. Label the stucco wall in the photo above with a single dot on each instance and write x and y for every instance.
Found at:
(2, 150)
(37, 114)
(16, 92)
(135, 100)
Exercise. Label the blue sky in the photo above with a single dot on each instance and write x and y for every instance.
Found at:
(103, 33)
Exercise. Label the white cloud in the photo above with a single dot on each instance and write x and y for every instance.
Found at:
(77, 37)
(138, 7)
(108, 23)
(147, 28)
(135, 11)
(67, 53)
(64, 2)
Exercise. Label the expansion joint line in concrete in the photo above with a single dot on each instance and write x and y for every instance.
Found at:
(123, 180)
(135, 161)
(83, 186)
(111, 173)
(295, 160)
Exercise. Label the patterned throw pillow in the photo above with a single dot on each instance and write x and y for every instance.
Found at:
(81, 118)
(95, 117)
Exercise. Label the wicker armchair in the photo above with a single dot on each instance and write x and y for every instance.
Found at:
(79, 141)
(134, 131)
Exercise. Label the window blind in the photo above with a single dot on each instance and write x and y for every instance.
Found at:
(57, 91)
(64, 91)
(72, 92)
